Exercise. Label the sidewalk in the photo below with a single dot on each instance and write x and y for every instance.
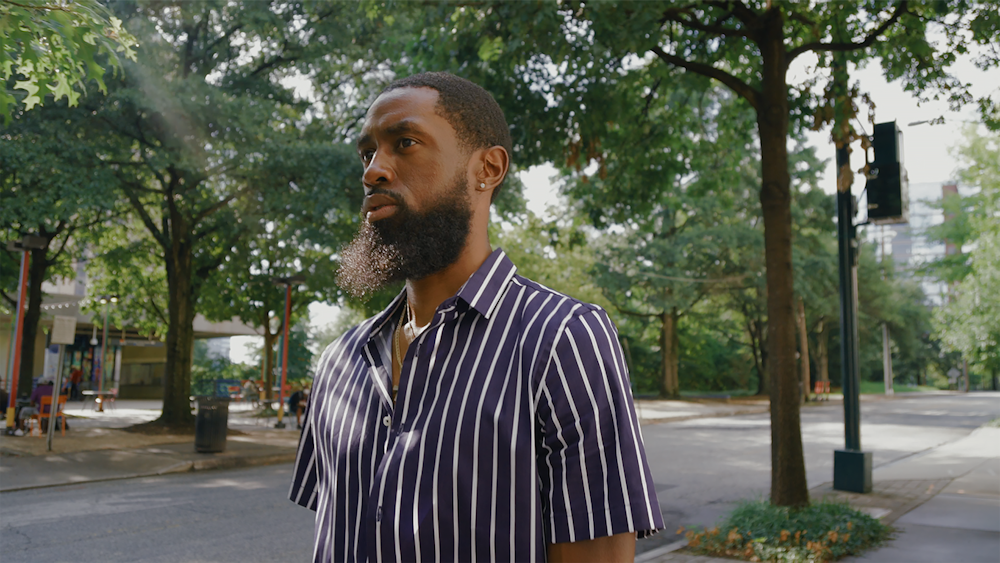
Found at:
(943, 502)
(96, 448)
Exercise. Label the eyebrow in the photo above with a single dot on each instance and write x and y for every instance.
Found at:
(404, 126)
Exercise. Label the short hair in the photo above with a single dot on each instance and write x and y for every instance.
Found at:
(468, 107)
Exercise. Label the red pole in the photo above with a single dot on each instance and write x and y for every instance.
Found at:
(16, 368)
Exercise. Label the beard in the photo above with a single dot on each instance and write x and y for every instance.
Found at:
(407, 245)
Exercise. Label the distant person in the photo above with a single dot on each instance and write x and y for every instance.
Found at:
(75, 377)
(297, 404)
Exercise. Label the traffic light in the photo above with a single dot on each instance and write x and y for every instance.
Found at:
(887, 186)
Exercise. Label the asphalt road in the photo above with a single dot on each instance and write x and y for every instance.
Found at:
(701, 469)
(220, 516)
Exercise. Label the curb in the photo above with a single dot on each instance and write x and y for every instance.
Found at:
(179, 467)
(755, 410)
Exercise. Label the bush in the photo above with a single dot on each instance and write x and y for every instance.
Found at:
(760, 531)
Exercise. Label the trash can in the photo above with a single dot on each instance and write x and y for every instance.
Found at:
(210, 424)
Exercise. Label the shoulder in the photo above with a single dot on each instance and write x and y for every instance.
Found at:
(558, 309)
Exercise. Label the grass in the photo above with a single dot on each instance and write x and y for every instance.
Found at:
(759, 531)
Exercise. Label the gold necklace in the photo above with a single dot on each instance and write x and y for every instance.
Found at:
(405, 314)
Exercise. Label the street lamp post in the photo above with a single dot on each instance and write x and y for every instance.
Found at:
(24, 246)
(287, 282)
(104, 353)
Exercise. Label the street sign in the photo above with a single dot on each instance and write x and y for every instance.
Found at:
(63, 330)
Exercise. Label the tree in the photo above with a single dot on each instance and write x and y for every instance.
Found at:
(745, 46)
(969, 322)
(212, 132)
(56, 46)
(49, 187)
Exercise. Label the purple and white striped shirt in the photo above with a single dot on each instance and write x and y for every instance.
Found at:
(514, 428)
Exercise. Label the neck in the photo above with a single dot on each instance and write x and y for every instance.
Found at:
(424, 295)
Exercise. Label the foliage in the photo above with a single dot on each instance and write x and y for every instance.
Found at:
(209, 144)
(56, 46)
(50, 188)
(558, 253)
(300, 357)
(969, 322)
(761, 531)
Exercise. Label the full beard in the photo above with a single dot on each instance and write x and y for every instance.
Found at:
(407, 245)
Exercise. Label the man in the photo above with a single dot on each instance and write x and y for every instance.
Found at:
(297, 404)
(480, 416)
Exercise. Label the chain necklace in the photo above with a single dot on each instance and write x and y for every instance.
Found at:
(395, 340)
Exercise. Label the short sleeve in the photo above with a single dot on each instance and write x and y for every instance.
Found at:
(592, 464)
(305, 473)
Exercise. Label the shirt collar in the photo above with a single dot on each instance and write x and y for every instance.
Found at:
(482, 291)
(486, 286)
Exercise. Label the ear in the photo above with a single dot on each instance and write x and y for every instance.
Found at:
(494, 161)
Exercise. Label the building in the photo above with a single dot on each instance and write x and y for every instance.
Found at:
(135, 363)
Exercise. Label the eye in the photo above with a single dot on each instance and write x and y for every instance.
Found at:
(366, 155)
(406, 142)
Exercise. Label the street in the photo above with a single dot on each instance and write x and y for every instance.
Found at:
(236, 515)
(701, 468)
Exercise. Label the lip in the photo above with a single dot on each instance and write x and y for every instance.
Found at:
(379, 206)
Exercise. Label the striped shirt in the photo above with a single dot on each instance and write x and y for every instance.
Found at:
(514, 428)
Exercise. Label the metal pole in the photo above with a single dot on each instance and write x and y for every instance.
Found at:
(56, 386)
(852, 468)
(284, 356)
(886, 359)
(104, 355)
(847, 241)
(18, 324)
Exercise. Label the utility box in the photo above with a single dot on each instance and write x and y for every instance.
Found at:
(210, 424)
(888, 186)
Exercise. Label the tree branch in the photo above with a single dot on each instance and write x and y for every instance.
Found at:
(674, 15)
(735, 84)
(146, 218)
(901, 9)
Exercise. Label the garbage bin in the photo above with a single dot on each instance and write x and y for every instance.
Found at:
(210, 424)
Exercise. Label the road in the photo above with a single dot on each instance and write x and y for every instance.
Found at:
(701, 469)
(220, 516)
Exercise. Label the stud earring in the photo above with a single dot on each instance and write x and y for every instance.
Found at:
(482, 185)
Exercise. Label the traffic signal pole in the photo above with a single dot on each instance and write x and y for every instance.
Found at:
(852, 468)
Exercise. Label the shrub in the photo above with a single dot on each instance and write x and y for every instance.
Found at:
(760, 531)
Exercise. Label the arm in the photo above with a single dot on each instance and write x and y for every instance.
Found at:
(609, 549)
(597, 487)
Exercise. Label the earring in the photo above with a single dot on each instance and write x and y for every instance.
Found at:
(482, 185)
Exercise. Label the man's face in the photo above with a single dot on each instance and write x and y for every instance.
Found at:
(417, 209)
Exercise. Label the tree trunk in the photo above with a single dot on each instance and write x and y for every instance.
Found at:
(803, 350)
(180, 336)
(822, 353)
(758, 347)
(669, 344)
(32, 314)
(788, 472)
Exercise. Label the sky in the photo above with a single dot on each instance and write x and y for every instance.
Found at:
(927, 153)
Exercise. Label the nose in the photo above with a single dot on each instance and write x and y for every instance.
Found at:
(379, 170)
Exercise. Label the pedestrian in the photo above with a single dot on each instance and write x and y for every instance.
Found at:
(480, 416)
(297, 405)
(75, 377)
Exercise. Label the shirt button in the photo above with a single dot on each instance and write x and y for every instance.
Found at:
(378, 514)
(387, 420)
